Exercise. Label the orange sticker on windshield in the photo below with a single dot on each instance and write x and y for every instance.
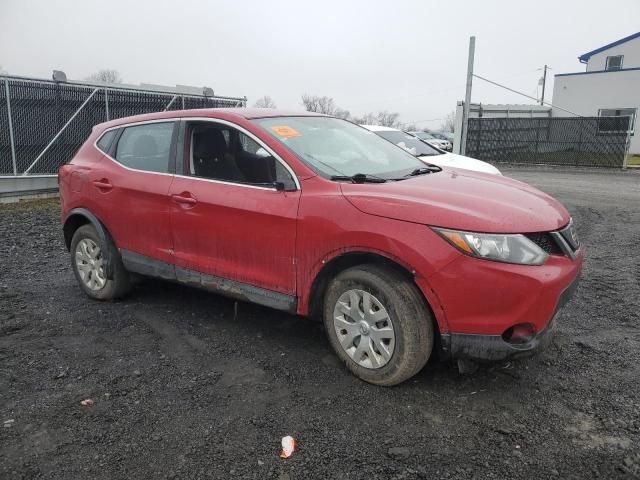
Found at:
(285, 131)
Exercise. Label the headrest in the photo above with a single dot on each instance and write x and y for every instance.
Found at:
(209, 142)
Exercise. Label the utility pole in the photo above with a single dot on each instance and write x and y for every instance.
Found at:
(467, 97)
(544, 81)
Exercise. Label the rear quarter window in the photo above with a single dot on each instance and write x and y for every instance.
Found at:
(146, 147)
(105, 141)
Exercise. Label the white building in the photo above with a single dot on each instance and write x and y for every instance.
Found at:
(609, 86)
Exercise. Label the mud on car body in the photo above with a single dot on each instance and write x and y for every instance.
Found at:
(317, 216)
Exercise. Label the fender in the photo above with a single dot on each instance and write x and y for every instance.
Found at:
(421, 282)
(103, 235)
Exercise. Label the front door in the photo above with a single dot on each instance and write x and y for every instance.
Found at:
(234, 209)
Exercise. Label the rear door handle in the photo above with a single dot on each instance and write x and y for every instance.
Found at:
(184, 199)
(103, 183)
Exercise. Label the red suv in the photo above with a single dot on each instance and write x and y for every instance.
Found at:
(317, 216)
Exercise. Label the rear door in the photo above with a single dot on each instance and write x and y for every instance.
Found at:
(228, 217)
(138, 171)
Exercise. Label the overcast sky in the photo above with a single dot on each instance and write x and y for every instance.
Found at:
(403, 56)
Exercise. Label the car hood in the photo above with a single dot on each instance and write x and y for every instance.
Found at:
(460, 161)
(460, 199)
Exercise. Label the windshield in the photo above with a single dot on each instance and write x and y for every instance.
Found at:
(413, 145)
(333, 147)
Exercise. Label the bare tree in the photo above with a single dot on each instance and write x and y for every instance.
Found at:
(388, 119)
(340, 113)
(410, 127)
(310, 102)
(449, 123)
(265, 102)
(316, 103)
(366, 119)
(105, 76)
(326, 105)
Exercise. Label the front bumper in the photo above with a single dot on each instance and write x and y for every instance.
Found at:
(494, 347)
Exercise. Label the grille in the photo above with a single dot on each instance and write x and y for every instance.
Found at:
(570, 236)
(546, 242)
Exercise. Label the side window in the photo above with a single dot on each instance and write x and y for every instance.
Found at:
(105, 141)
(219, 152)
(614, 62)
(146, 147)
(619, 120)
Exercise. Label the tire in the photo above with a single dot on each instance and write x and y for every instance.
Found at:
(409, 344)
(86, 265)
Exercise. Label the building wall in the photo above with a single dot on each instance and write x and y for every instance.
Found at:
(630, 50)
(586, 93)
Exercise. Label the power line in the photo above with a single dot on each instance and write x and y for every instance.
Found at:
(525, 95)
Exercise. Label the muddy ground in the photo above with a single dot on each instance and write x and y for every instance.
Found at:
(183, 388)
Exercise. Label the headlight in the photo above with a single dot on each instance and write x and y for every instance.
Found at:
(500, 248)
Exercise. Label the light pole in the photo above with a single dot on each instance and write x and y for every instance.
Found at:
(467, 97)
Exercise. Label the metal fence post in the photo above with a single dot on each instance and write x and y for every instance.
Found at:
(479, 133)
(11, 139)
(537, 148)
(627, 146)
(61, 130)
(171, 103)
(579, 149)
(182, 97)
(106, 103)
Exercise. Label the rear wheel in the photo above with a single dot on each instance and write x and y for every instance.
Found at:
(378, 324)
(87, 261)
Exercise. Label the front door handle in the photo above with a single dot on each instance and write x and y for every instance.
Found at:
(103, 184)
(184, 199)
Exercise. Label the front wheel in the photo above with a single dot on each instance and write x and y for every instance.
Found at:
(378, 324)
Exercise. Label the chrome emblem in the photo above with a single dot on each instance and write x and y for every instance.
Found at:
(574, 236)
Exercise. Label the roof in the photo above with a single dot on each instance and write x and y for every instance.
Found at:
(584, 58)
(268, 112)
(379, 128)
(221, 113)
(592, 72)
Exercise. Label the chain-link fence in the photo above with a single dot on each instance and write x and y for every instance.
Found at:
(43, 123)
(575, 141)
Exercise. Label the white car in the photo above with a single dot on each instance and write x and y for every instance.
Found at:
(441, 143)
(430, 154)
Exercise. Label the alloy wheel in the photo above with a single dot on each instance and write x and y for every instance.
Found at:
(89, 264)
(364, 328)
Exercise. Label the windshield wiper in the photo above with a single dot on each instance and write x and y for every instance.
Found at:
(356, 178)
(421, 171)
(418, 171)
(360, 178)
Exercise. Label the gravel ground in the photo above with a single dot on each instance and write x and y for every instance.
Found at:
(186, 388)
